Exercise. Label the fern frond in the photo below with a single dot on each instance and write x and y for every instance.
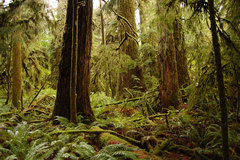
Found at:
(116, 147)
(62, 120)
(12, 157)
(60, 153)
(84, 150)
(35, 150)
(103, 156)
(47, 154)
(69, 156)
(125, 154)
(4, 150)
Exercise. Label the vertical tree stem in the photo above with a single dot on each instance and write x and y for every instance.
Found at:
(102, 24)
(73, 74)
(221, 88)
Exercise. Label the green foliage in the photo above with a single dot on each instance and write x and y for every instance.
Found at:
(17, 144)
(114, 152)
(208, 138)
(107, 67)
(34, 23)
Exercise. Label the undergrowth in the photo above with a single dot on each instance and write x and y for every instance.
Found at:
(29, 135)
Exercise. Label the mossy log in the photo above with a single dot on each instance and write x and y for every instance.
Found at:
(123, 101)
(168, 146)
(99, 131)
(107, 138)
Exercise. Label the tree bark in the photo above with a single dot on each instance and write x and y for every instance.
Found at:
(84, 56)
(9, 59)
(73, 74)
(183, 76)
(167, 64)
(126, 9)
(102, 24)
(17, 70)
(62, 104)
(221, 88)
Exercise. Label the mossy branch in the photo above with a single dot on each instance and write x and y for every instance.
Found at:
(119, 17)
(127, 35)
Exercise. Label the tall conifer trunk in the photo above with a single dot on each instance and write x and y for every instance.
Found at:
(17, 69)
(84, 56)
(221, 88)
(167, 63)
(183, 76)
(73, 73)
(62, 104)
(129, 80)
(102, 24)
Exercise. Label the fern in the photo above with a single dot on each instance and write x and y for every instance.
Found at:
(18, 144)
(36, 150)
(60, 153)
(84, 150)
(116, 151)
(11, 157)
(103, 156)
(208, 138)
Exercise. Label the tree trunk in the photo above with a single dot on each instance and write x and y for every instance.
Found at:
(102, 24)
(62, 103)
(73, 74)
(84, 55)
(17, 70)
(56, 56)
(183, 76)
(84, 41)
(9, 59)
(221, 88)
(134, 77)
(182, 68)
(167, 64)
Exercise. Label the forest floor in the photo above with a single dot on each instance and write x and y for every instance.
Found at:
(118, 133)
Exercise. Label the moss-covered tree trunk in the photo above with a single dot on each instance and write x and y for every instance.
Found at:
(84, 56)
(17, 70)
(182, 69)
(133, 79)
(167, 63)
(56, 56)
(221, 88)
(142, 14)
(102, 23)
(62, 103)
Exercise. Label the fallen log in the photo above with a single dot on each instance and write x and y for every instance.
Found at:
(106, 138)
(123, 101)
(128, 139)
(168, 146)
